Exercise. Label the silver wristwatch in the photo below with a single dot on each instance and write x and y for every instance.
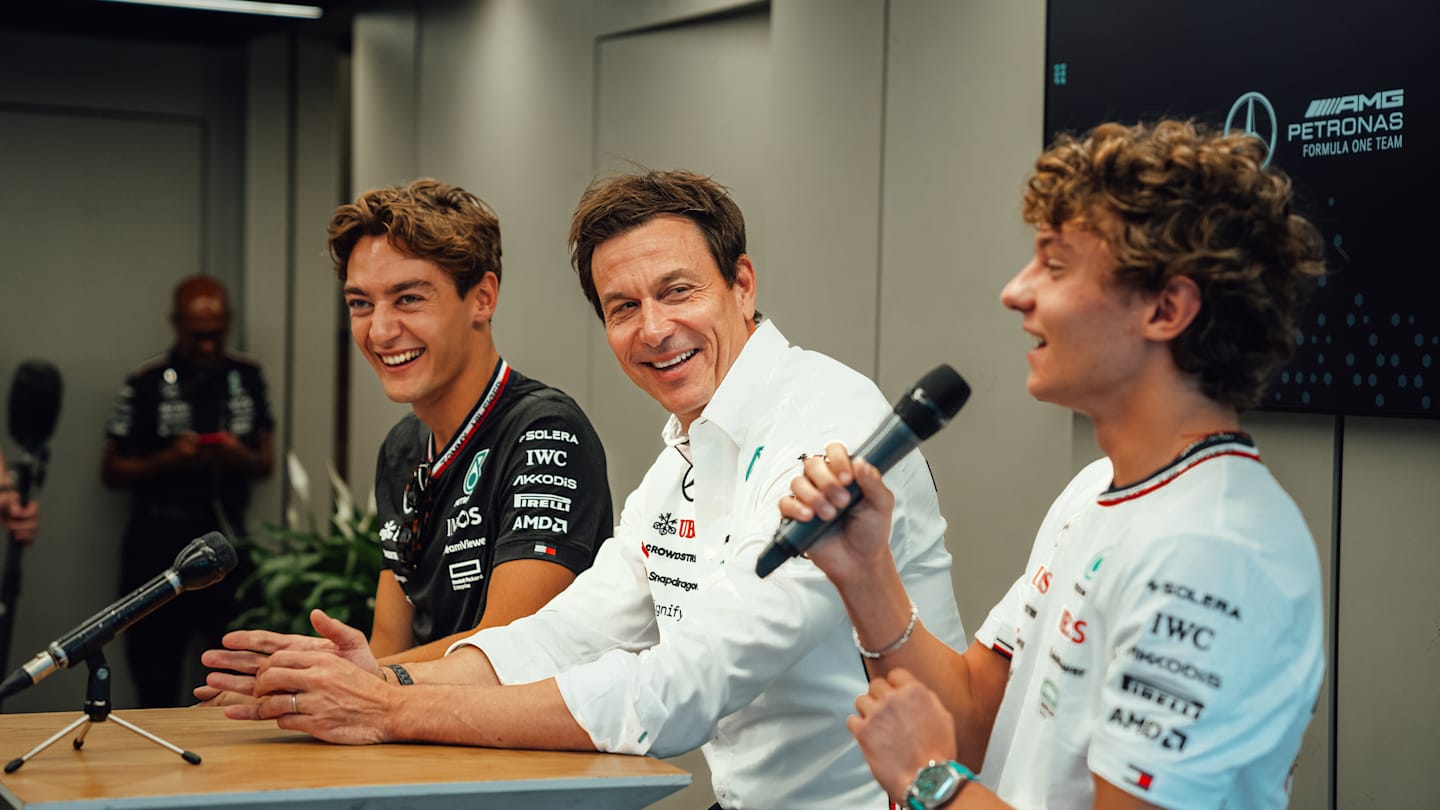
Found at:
(936, 784)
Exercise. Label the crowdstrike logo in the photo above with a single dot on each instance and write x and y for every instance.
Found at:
(1253, 114)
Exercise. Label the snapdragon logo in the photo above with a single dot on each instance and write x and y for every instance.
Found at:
(1254, 115)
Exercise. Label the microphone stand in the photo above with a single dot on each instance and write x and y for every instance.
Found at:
(29, 473)
(97, 710)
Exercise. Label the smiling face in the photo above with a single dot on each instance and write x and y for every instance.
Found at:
(427, 344)
(673, 324)
(1091, 349)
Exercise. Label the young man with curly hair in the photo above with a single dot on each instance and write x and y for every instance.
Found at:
(1163, 647)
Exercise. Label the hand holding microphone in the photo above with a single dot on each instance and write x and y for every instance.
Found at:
(828, 491)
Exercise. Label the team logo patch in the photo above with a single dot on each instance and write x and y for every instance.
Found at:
(472, 475)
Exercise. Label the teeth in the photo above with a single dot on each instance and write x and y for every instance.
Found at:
(403, 357)
(679, 359)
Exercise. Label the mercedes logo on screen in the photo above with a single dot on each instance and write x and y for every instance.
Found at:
(1262, 126)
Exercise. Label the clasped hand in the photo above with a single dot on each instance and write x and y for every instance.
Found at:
(327, 686)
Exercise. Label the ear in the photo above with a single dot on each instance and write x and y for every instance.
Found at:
(484, 297)
(1173, 309)
(744, 286)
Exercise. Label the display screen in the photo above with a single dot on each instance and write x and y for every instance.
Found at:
(1344, 96)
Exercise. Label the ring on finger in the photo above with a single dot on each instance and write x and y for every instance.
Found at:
(294, 707)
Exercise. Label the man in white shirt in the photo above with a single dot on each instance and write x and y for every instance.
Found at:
(1164, 645)
(670, 641)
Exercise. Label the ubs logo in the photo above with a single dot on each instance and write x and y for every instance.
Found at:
(1253, 114)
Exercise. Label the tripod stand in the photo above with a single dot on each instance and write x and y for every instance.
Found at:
(97, 710)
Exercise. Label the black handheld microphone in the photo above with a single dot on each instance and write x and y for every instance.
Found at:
(201, 564)
(922, 411)
(34, 403)
(33, 410)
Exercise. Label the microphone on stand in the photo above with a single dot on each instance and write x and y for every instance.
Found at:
(201, 564)
(922, 411)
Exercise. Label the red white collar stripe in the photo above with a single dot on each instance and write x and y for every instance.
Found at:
(1189, 461)
(477, 418)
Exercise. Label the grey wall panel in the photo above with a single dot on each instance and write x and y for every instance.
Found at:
(962, 91)
(1300, 452)
(1387, 738)
(823, 228)
(101, 220)
(314, 295)
(267, 263)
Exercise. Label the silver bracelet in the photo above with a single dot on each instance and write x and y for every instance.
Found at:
(892, 646)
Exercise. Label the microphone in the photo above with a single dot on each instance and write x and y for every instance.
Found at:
(34, 408)
(922, 411)
(34, 404)
(201, 564)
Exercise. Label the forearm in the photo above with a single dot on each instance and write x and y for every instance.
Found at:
(880, 610)
(124, 471)
(425, 652)
(530, 715)
(467, 666)
(976, 796)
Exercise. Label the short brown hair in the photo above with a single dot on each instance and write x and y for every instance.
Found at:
(615, 205)
(428, 220)
(1191, 202)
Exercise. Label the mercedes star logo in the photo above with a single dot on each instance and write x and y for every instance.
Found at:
(1252, 127)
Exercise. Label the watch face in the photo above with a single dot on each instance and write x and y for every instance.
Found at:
(934, 785)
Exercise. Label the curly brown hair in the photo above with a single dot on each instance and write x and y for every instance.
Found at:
(428, 220)
(614, 205)
(1188, 201)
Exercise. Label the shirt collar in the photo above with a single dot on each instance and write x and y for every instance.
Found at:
(733, 407)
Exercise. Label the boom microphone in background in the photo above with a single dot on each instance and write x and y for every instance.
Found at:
(33, 410)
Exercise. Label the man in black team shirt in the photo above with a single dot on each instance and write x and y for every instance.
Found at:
(189, 434)
(492, 494)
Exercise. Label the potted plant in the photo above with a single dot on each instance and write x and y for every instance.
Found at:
(299, 566)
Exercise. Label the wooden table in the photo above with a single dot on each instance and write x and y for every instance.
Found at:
(254, 764)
